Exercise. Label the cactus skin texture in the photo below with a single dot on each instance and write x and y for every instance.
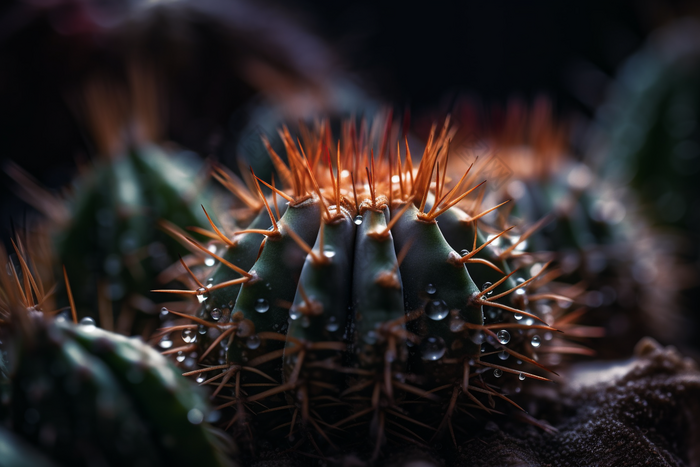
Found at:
(364, 301)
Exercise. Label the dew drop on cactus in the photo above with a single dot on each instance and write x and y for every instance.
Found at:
(503, 336)
(253, 342)
(436, 310)
(88, 322)
(536, 341)
(188, 335)
(261, 306)
(332, 325)
(432, 348)
(165, 342)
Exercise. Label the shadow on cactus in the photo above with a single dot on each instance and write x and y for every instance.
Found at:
(363, 298)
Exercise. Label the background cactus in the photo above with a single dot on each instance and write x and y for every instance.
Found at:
(601, 241)
(85, 396)
(105, 231)
(364, 292)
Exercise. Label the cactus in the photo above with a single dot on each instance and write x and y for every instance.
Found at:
(363, 293)
(589, 225)
(86, 396)
(105, 232)
(649, 125)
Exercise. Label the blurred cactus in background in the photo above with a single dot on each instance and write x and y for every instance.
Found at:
(584, 220)
(650, 128)
(85, 396)
(105, 230)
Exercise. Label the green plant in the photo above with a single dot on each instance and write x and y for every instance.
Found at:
(363, 298)
(105, 231)
(86, 396)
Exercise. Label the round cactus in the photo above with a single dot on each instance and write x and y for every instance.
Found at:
(589, 225)
(105, 232)
(85, 396)
(363, 292)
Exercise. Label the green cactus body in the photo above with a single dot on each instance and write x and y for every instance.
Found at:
(83, 396)
(111, 245)
(359, 306)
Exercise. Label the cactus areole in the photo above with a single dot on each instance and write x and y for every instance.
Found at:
(368, 298)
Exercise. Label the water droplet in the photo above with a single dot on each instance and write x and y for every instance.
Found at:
(209, 262)
(358, 220)
(164, 312)
(535, 341)
(294, 314)
(464, 252)
(432, 348)
(328, 253)
(370, 338)
(180, 357)
(195, 416)
(456, 324)
(200, 378)
(503, 336)
(261, 306)
(201, 297)
(430, 289)
(188, 336)
(165, 342)
(436, 310)
(202, 329)
(253, 342)
(88, 323)
(215, 314)
(503, 355)
(518, 316)
(497, 372)
(332, 325)
(529, 322)
(521, 377)
(486, 286)
(477, 337)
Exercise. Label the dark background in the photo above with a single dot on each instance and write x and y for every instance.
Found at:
(410, 54)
